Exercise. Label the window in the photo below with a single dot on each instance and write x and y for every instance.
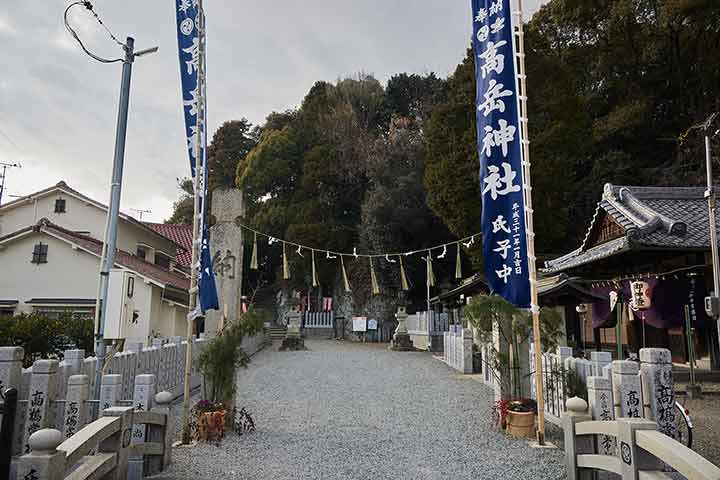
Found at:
(162, 260)
(141, 253)
(60, 205)
(40, 253)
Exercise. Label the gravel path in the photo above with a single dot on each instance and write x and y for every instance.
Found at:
(358, 411)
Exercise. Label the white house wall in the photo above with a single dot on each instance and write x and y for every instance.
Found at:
(68, 274)
(80, 216)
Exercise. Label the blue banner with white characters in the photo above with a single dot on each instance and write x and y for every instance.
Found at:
(188, 19)
(500, 150)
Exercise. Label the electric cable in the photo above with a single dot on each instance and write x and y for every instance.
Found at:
(74, 34)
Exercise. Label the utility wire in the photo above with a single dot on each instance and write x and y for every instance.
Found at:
(74, 34)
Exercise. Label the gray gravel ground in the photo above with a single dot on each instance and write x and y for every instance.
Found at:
(358, 411)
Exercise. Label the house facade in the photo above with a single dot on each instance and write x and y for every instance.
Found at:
(50, 248)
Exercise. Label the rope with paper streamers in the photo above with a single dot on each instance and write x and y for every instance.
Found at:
(467, 242)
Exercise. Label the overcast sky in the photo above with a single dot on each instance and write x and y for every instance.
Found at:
(58, 107)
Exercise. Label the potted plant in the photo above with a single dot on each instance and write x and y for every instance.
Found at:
(218, 364)
(492, 315)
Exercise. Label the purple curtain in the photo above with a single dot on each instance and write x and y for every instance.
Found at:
(668, 299)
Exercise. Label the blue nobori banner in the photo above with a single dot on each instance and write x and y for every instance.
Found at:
(189, 51)
(500, 150)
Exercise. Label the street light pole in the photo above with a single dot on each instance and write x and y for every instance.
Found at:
(107, 258)
(712, 208)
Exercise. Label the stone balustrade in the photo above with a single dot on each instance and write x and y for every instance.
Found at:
(457, 350)
(107, 448)
(642, 451)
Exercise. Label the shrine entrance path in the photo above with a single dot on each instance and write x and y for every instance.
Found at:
(345, 410)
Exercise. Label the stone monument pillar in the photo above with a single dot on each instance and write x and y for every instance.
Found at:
(226, 242)
(401, 339)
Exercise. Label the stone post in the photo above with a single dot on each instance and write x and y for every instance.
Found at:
(110, 389)
(467, 350)
(43, 461)
(142, 401)
(576, 412)
(74, 361)
(118, 442)
(77, 411)
(627, 392)
(599, 361)
(11, 367)
(38, 414)
(161, 434)
(601, 408)
(228, 208)
(658, 388)
(633, 458)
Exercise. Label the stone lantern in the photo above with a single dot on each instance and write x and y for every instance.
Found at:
(293, 340)
(401, 339)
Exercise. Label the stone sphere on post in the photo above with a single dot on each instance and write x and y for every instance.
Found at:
(45, 440)
(576, 404)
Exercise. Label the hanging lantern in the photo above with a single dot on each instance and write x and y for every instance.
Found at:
(373, 279)
(254, 258)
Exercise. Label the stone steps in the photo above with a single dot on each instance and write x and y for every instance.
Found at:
(276, 333)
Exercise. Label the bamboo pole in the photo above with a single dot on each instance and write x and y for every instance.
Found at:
(197, 234)
(530, 231)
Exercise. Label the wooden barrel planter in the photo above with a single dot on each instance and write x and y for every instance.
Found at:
(521, 424)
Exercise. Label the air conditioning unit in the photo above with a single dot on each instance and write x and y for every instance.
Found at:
(120, 304)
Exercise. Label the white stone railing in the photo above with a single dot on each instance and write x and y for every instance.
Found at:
(109, 448)
(457, 350)
(639, 450)
(50, 391)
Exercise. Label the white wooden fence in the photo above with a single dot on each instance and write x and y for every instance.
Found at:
(318, 319)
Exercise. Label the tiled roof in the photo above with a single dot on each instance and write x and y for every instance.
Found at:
(122, 258)
(65, 188)
(180, 234)
(666, 218)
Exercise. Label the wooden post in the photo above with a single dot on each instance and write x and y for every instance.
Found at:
(576, 412)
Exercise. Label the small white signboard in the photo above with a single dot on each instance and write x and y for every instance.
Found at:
(372, 324)
(359, 324)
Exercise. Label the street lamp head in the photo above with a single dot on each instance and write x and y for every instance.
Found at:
(146, 51)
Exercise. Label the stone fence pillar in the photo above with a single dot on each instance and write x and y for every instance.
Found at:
(658, 388)
(161, 434)
(43, 461)
(11, 367)
(39, 411)
(627, 392)
(601, 407)
(599, 360)
(576, 412)
(110, 389)
(77, 410)
(119, 442)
